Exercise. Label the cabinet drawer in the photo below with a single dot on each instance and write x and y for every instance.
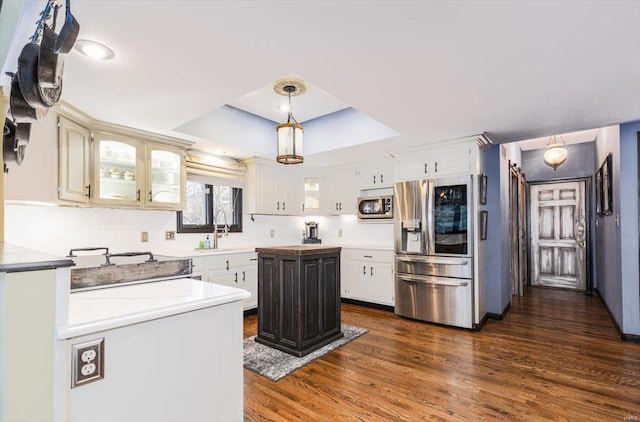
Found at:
(230, 261)
(376, 255)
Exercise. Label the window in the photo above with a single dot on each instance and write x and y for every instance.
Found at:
(208, 203)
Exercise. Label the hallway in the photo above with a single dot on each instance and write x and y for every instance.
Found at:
(555, 356)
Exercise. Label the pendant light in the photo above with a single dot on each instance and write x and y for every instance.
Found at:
(555, 154)
(290, 133)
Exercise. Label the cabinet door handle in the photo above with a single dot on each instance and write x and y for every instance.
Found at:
(372, 271)
(381, 178)
(253, 259)
(278, 205)
(150, 197)
(425, 168)
(364, 270)
(88, 187)
(340, 206)
(336, 206)
(227, 261)
(284, 205)
(138, 195)
(374, 179)
(236, 277)
(303, 207)
(244, 276)
(368, 256)
(436, 166)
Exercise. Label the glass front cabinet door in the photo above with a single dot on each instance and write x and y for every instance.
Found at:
(166, 177)
(129, 172)
(119, 178)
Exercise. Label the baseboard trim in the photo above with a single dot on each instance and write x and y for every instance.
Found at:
(368, 304)
(251, 311)
(501, 316)
(633, 338)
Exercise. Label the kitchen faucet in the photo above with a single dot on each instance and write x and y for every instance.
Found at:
(216, 236)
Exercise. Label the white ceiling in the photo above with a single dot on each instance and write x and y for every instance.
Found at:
(430, 70)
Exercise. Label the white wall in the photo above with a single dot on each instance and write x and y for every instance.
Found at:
(55, 230)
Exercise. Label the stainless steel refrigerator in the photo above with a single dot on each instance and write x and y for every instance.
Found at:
(434, 250)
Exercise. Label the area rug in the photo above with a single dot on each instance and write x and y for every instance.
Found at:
(274, 364)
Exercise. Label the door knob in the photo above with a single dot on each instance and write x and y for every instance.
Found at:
(581, 244)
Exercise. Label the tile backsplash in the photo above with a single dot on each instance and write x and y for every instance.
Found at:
(55, 230)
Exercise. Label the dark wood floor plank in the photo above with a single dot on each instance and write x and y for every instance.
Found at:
(555, 356)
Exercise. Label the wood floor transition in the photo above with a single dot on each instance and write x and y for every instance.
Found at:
(555, 356)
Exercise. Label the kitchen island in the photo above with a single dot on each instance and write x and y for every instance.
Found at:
(298, 297)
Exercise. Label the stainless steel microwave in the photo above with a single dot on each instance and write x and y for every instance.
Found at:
(375, 207)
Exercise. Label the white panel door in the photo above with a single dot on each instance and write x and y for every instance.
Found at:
(558, 237)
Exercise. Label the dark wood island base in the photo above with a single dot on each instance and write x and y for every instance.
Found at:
(298, 297)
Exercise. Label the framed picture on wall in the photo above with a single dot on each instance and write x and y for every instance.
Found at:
(483, 189)
(604, 187)
(484, 216)
(599, 192)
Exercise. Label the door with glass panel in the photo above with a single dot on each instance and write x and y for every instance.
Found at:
(165, 177)
(118, 175)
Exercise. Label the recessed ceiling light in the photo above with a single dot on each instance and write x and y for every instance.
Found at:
(284, 107)
(94, 49)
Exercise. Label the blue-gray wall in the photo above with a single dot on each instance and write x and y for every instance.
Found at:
(608, 235)
(579, 163)
(498, 283)
(629, 216)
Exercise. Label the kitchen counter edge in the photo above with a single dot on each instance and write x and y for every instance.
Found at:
(14, 259)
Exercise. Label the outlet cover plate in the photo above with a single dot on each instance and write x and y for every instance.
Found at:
(87, 362)
(169, 235)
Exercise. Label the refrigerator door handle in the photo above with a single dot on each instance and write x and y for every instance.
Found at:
(438, 282)
(432, 260)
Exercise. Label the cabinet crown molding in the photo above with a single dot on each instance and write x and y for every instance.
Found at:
(67, 110)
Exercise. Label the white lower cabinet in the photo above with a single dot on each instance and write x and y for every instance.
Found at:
(368, 275)
(236, 270)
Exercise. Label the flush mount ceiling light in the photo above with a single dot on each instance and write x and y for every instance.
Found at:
(94, 49)
(555, 154)
(290, 133)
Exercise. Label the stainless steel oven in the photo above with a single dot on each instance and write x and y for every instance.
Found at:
(375, 207)
(434, 250)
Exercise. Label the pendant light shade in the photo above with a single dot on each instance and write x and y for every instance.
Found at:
(289, 142)
(290, 133)
(555, 154)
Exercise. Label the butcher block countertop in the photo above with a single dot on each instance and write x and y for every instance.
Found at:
(299, 249)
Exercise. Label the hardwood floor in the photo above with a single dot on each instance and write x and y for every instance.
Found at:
(555, 356)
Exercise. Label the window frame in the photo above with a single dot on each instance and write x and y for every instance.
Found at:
(208, 227)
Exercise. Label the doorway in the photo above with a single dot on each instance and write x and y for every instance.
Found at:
(558, 234)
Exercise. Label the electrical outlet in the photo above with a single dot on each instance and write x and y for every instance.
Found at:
(169, 235)
(340, 233)
(144, 237)
(87, 362)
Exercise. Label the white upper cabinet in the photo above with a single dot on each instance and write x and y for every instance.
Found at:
(119, 174)
(166, 177)
(433, 162)
(270, 189)
(311, 193)
(339, 193)
(74, 143)
(375, 175)
(133, 173)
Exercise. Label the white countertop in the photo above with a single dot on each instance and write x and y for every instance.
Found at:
(104, 309)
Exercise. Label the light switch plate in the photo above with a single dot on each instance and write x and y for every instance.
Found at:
(87, 362)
